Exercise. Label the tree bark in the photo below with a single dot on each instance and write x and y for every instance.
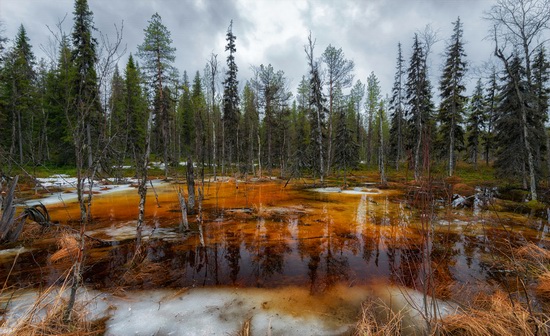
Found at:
(190, 187)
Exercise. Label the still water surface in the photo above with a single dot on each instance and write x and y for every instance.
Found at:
(266, 235)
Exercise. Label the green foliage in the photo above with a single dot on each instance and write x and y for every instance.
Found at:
(158, 56)
(20, 99)
(451, 86)
(186, 117)
(475, 123)
(511, 157)
(396, 106)
(418, 106)
(231, 113)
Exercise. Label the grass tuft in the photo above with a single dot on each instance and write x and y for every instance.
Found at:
(495, 315)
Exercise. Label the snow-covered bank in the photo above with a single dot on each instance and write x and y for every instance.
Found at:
(223, 311)
(68, 186)
(354, 191)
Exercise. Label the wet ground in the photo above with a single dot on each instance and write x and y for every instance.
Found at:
(286, 260)
(262, 234)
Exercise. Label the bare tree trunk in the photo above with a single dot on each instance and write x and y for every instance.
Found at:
(184, 225)
(417, 152)
(20, 136)
(190, 187)
(259, 154)
(451, 148)
(89, 144)
(214, 148)
(142, 189)
(381, 158)
(329, 148)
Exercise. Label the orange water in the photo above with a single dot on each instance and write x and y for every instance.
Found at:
(266, 235)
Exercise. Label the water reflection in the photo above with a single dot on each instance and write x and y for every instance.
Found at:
(263, 235)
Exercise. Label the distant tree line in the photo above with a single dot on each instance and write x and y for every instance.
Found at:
(81, 109)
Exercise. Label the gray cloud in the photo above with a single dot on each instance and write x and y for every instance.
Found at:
(273, 31)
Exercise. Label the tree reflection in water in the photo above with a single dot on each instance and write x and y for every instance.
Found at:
(262, 235)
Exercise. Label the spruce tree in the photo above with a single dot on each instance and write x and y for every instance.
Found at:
(317, 111)
(119, 121)
(418, 108)
(158, 57)
(186, 122)
(491, 103)
(60, 101)
(231, 114)
(357, 94)
(339, 73)
(250, 126)
(475, 122)
(137, 112)
(199, 117)
(89, 123)
(20, 95)
(396, 106)
(345, 148)
(510, 156)
(451, 86)
(371, 106)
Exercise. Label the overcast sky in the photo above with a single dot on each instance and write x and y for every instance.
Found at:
(272, 31)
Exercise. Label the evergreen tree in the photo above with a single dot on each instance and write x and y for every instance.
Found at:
(41, 143)
(60, 101)
(510, 155)
(345, 148)
(119, 121)
(541, 88)
(452, 89)
(339, 73)
(89, 124)
(186, 118)
(271, 86)
(231, 114)
(357, 94)
(317, 109)
(199, 116)
(491, 103)
(475, 123)
(419, 107)
(137, 112)
(20, 95)
(158, 56)
(371, 106)
(397, 130)
(250, 127)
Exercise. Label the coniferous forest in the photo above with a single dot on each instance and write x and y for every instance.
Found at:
(84, 108)
(440, 138)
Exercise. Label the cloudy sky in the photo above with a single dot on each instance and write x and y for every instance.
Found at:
(272, 31)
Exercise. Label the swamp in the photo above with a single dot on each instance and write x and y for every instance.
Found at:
(276, 257)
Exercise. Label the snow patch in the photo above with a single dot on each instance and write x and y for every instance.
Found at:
(354, 191)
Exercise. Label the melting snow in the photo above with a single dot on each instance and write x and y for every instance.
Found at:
(354, 191)
(223, 311)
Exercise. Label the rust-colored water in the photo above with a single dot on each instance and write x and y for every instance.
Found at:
(265, 235)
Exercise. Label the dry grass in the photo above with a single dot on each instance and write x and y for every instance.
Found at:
(46, 317)
(543, 286)
(378, 320)
(143, 272)
(245, 328)
(68, 247)
(493, 315)
(533, 253)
